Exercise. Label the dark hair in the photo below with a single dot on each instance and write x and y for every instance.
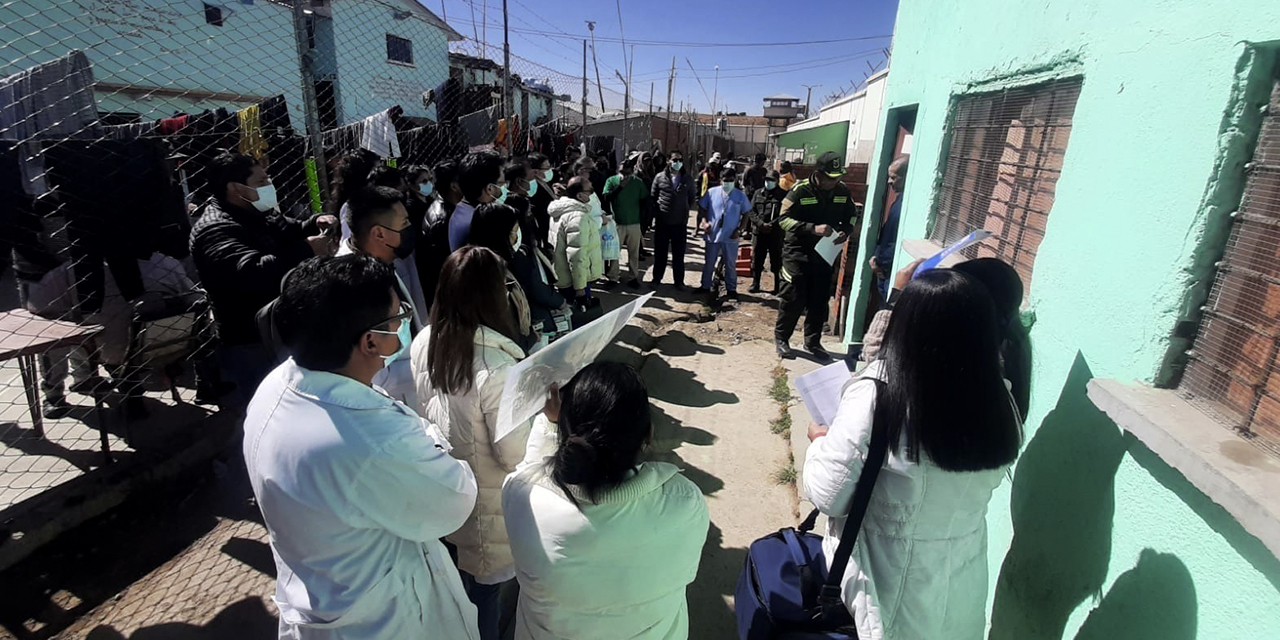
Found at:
(328, 304)
(1005, 286)
(729, 173)
(478, 171)
(491, 227)
(472, 292)
(516, 171)
(577, 184)
(446, 174)
(386, 176)
(605, 422)
(675, 151)
(760, 157)
(350, 175)
(226, 168)
(370, 206)
(412, 171)
(535, 160)
(582, 164)
(944, 391)
(786, 166)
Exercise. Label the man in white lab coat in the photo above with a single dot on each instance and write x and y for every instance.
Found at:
(355, 488)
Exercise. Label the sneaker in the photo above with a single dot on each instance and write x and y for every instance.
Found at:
(733, 295)
(680, 286)
(755, 288)
(634, 284)
(818, 352)
(54, 408)
(784, 349)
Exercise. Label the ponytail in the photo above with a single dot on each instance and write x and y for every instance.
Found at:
(604, 424)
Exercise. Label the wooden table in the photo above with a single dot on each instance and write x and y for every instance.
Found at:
(24, 336)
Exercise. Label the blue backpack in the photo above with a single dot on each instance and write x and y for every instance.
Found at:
(784, 591)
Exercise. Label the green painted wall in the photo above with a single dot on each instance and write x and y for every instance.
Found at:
(1097, 537)
(817, 140)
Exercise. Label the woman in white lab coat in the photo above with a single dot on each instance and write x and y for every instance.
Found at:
(919, 569)
(460, 365)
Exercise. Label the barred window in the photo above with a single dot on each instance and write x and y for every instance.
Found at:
(399, 49)
(1002, 167)
(1232, 371)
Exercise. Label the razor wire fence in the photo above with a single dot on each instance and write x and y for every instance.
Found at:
(112, 340)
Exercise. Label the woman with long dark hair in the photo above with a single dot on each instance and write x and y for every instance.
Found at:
(919, 569)
(605, 545)
(349, 176)
(460, 365)
(496, 226)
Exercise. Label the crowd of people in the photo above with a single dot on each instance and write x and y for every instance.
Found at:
(372, 343)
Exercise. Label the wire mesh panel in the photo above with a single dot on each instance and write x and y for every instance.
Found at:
(1002, 167)
(1233, 370)
(132, 270)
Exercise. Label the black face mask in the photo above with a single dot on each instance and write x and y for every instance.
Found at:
(408, 239)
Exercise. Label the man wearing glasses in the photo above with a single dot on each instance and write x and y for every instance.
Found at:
(355, 488)
(380, 228)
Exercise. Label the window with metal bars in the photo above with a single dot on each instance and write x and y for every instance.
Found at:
(1002, 166)
(1232, 370)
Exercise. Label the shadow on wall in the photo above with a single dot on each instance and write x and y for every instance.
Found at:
(1155, 600)
(1062, 503)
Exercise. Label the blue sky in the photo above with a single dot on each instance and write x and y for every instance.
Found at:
(747, 73)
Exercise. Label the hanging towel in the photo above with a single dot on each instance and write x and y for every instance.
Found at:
(50, 100)
(251, 141)
(379, 136)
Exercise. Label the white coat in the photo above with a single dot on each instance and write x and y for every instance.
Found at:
(618, 568)
(356, 491)
(919, 568)
(470, 422)
(575, 231)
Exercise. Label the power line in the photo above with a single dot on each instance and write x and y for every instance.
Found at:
(668, 43)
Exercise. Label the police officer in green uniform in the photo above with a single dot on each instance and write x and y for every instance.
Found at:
(815, 208)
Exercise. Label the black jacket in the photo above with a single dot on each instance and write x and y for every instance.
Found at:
(673, 205)
(766, 208)
(433, 249)
(242, 257)
(542, 296)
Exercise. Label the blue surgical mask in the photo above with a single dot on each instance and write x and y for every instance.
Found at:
(425, 189)
(402, 334)
(502, 198)
(548, 174)
(533, 187)
(770, 185)
(728, 186)
(676, 166)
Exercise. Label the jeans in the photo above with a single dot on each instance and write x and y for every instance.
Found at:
(676, 238)
(728, 249)
(495, 606)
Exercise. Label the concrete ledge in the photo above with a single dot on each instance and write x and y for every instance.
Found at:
(1240, 477)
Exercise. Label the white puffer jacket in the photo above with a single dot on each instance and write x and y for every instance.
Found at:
(470, 422)
(576, 234)
(919, 569)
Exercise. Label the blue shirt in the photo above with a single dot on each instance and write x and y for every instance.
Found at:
(724, 212)
(460, 225)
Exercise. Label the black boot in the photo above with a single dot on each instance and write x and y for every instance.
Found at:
(777, 282)
(755, 282)
(784, 349)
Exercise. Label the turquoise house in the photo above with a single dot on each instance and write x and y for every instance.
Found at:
(1127, 157)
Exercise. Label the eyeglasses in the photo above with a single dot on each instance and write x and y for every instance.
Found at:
(406, 312)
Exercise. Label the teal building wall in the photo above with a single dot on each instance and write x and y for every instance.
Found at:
(367, 82)
(1096, 537)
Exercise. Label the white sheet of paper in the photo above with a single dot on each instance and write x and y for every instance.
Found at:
(828, 249)
(820, 391)
(525, 392)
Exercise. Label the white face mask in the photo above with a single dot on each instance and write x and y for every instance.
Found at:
(515, 244)
(266, 198)
(548, 174)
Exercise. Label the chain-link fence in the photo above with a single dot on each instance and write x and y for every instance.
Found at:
(118, 329)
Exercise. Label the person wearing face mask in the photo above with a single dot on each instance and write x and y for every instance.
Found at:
(533, 271)
(626, 197)
(461, 363)
(419, 189)
(724, 211)
(380, 228)
(433, 247)
(576, 234)
(496, 227)
(543, 176)
(520, 187)
(355, 488)
(481, 181)
(766, 241)
(672, 194)
(242, 248)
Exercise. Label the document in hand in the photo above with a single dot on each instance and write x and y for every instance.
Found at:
(820, 391)
(960, 245)
(525, 392)
(828, 249)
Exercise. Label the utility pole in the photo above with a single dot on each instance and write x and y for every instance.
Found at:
(311, 109)
(626, 107)
(648, 125)
(506, 80)
(666, 128)
(582, 137)
(715, 92)
(807, 97)
(591, 26)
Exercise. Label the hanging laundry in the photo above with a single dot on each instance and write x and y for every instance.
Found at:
(251, 141)
(379, 135)
(50, 100)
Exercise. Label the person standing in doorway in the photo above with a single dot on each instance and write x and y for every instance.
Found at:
(725, 210)
(788, 179)
(626, 196)
(766, 239)
(815, 209)
(882, 259)
(673, 196)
